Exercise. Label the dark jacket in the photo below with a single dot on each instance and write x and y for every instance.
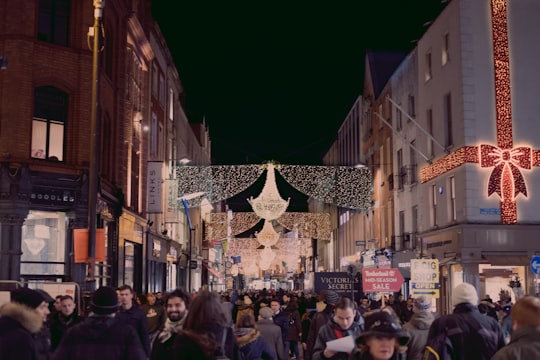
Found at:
(281, 319)
(253, 346)
(136, 318)
(17, 324)
(191, 345)
(59, 325)
(329, 332)
(479, 337)
(155, 317)
(418, 327)
(295, 325)
(319, 320)
(525, 344)
(100, 337)
(271, 333)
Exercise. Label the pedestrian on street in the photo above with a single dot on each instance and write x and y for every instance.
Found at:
(281, 319)
(155, 316)
(383, 339)
(328, 299)
(474, 336)
(20, 320)
(342, 324)
(271, 332)
(418, 327)
(525, 340)
(132, 315)
(252, 345)
(176, 307)
(102, 335)
(64, 319)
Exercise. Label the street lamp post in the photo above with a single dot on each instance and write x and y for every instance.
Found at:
(93, 174)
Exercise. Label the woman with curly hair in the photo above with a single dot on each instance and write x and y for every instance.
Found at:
(250, 341)
(206, 333)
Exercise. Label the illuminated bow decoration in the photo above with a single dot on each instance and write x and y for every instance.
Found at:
(506, 178)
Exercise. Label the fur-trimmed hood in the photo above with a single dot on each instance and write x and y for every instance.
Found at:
(29, 318)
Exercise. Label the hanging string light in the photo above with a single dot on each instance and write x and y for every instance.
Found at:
(267, 236)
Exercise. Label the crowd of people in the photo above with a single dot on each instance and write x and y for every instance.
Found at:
(275, 325)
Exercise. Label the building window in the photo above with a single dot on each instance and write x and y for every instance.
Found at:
(429, 121)
(155, 79)
(446, 49)
(171, 104)
(453, 199)
(428, 74)
(414, 216)
(48, 123)
(53, 21)
(108, 53)
(402, 228)
(412, 166)
(448, 138)
(154, 137)
(401, 170)
(43, 243)
(162, 94)
(381, 114)
(411, 109)
(434, 205)
(399, 119)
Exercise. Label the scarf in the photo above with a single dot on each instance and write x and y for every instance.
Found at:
(171, 327)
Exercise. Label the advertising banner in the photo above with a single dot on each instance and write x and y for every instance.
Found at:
(153, 187)
(340, 282)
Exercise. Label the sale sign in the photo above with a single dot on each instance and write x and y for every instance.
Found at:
(382, 280)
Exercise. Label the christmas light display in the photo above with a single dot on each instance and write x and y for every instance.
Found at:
(269, 205)
(267, 236)
(506, 179)
(343, 186)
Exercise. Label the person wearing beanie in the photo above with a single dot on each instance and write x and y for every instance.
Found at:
(473, 335)
(20, 321)
(271, 332)
(321, 318)
(418, 327)
(102, 335)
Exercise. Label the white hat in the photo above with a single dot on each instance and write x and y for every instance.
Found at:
(421, 303)
(464, 293)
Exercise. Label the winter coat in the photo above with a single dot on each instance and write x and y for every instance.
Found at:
(188, 345)
(328, 333)
(480, 336)
(524, 344)
(295, 324)
(281, 319)
(60, 324)
(253, 346)
(17, 324)
(100, 337)
(271, 333)
(418, 326)
(136, 318)
(155, 317)
(320, 319)
(243, 309)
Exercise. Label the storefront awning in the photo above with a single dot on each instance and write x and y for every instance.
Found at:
(213, 271)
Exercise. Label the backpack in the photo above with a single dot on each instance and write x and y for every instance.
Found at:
(440, 347)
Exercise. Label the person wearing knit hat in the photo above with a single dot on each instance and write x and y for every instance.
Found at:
(321, 318)
(418, 326)
(464, 293)
(102, 335)
(474, 336)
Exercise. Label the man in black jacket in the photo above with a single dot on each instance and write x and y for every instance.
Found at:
(329, 298)
(64, 319)
(131, 314)
(281, 319)
(102, 335)
(473, 335)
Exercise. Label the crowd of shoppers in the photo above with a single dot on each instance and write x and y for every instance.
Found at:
(264, 324)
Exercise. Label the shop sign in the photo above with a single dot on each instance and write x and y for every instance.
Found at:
(153, 187)
(340, 282)
(50, 196)
(425, 278)
(382, 280)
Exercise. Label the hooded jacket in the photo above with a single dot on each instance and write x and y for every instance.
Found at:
(252, 345)
(17, 325)
(100, 337)
(418, 327)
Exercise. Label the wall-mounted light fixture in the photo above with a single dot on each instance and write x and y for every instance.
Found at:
(3, 63)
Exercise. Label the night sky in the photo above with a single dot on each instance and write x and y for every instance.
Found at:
(274, 80)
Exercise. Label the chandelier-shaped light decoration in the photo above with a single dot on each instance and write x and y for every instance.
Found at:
(267, 236)
(269, 205)
(267, 256)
